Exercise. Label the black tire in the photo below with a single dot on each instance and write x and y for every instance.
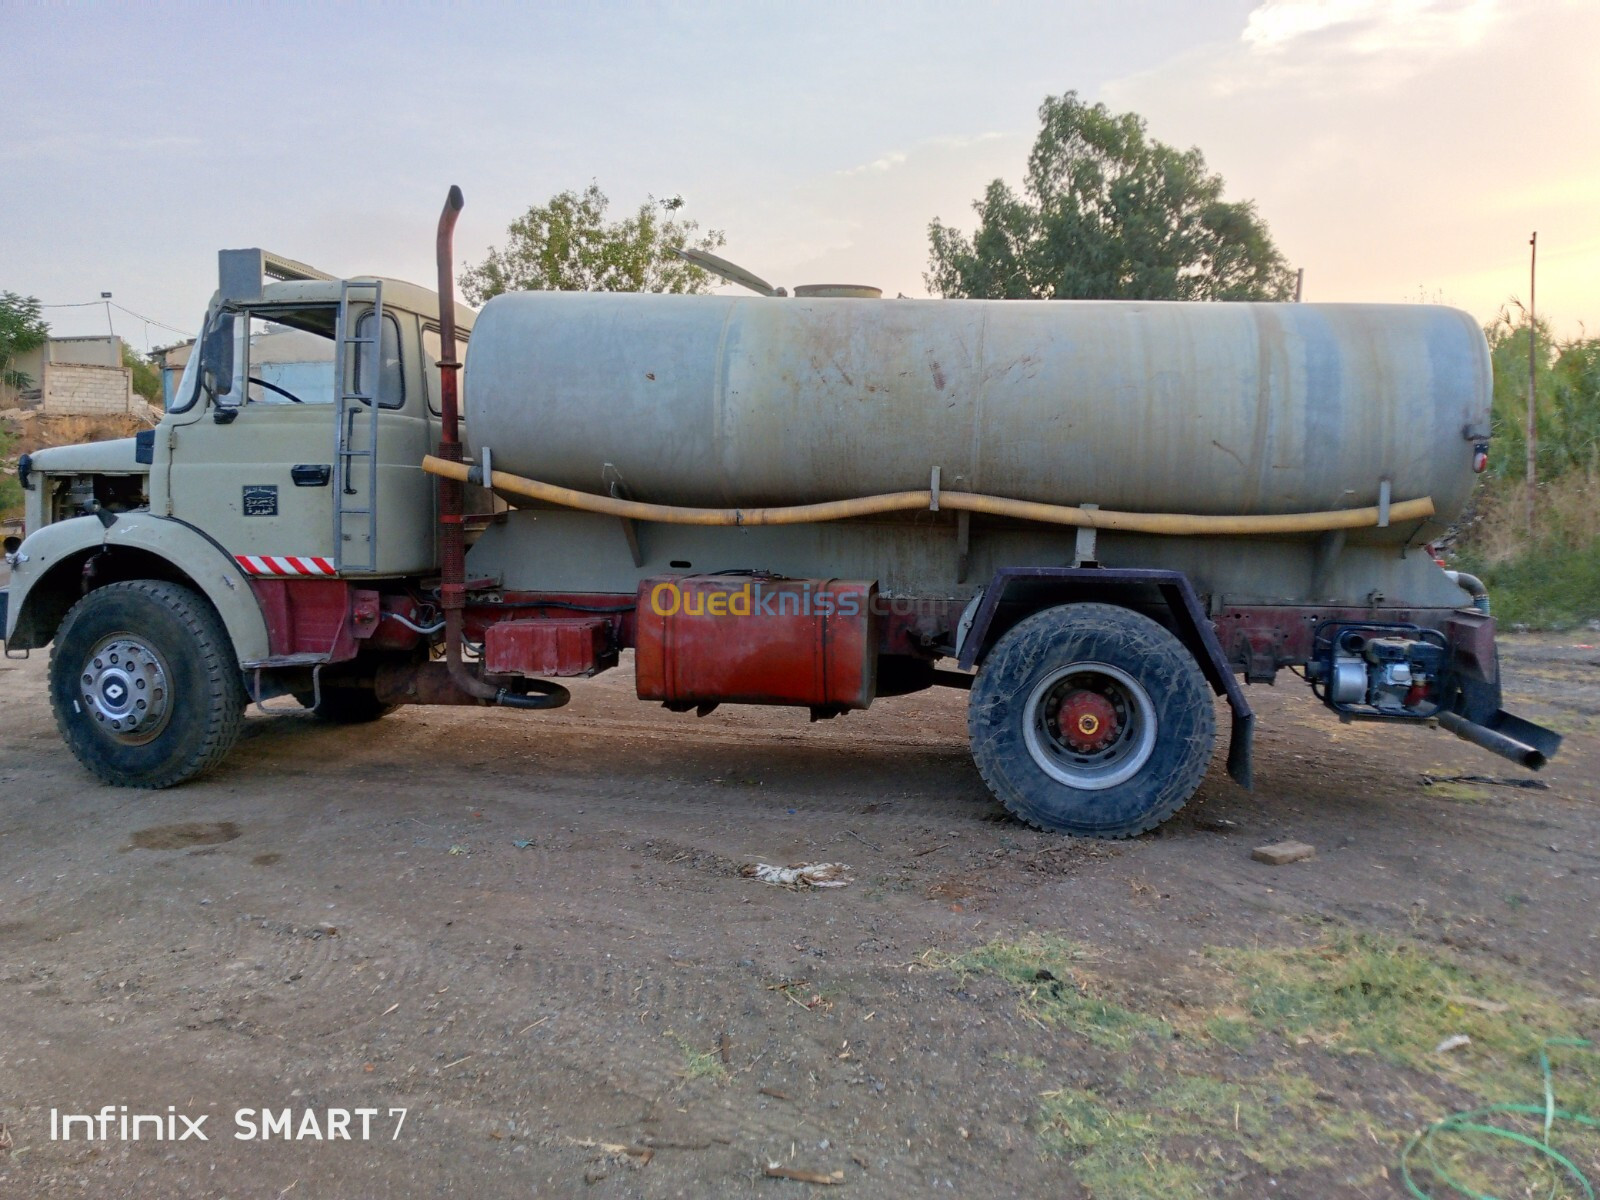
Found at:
(346, 705)
(144, 684)
(1091, 720)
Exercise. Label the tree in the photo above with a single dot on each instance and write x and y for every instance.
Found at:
(1107, 213)
(146, 376)
(22, 328)
(568, 245)
(1576, 406)
(10, 489)
(1566, 398)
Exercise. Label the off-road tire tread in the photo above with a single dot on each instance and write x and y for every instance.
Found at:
(1179, 788)
(224, 698)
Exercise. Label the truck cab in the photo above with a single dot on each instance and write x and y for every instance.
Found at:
(295, 433)
(290, 451)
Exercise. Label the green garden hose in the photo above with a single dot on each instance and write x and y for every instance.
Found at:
(1474, 1123)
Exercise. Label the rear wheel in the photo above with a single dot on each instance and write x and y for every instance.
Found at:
(345, 705)
(144, 685)
(1092, 720)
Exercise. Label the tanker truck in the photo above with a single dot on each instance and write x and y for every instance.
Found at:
(1099, 519)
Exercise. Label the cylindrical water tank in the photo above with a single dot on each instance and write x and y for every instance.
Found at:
(1154, 407)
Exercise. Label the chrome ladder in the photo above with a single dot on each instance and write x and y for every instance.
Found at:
(358, 370)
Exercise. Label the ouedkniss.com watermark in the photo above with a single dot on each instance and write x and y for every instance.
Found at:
(718, 596)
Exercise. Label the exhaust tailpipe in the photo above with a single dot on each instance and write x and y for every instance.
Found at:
(1523, 742)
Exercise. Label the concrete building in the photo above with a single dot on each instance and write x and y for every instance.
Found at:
(77, 376)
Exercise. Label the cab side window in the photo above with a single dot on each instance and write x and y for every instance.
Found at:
(389, 378)
(432, 351)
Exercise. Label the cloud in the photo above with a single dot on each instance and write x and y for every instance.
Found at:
(899, 158)
(1331, 48)
(1399, 147)
(1366, 27)
(891, 160)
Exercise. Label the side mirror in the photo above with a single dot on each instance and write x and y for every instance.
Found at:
(216, 357)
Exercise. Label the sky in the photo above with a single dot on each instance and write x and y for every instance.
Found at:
(1399, 150)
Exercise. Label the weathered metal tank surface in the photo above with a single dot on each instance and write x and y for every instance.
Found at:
(1153, 407)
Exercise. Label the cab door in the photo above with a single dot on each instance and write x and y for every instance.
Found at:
(255, 472)
(275, 475)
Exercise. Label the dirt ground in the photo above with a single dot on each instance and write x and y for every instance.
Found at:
(530, 932)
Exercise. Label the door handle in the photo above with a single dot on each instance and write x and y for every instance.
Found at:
(311, 474)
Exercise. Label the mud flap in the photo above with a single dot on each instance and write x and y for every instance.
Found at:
(1241, 747)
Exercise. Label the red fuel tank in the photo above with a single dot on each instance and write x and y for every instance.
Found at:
(751, 639)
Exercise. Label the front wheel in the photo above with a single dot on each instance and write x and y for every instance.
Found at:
(1092, 720)
(144, 684)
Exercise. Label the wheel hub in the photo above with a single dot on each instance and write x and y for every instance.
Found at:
(124, 687)
(1089, 725)
(1086, 721)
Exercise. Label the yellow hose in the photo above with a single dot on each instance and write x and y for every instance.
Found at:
(998, 506)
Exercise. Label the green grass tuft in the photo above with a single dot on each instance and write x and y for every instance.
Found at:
(699, 1064)
(1326, 1045)
(1185, 1134)
(1053, 989)
(1230, 1030)
(1368, 994)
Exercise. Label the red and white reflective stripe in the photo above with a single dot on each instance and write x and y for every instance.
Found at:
(275, 564)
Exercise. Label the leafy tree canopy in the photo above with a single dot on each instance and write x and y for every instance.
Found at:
(1566, 398)
(10, 489)
(567, 244)
(22, 328)
(1107, 213)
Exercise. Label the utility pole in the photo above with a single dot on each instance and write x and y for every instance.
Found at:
(1299, 283)
(106, 296)
(1533, 427)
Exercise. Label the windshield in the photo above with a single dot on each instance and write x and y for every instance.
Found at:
(188, 389)
(285, 354)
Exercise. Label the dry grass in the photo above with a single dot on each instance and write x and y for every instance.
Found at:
(1567, 512)
(1550, 580)
(38, 432)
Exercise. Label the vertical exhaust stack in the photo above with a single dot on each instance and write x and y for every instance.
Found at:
(452, 549)
(452, 546)
(444, 250)
(452, 543)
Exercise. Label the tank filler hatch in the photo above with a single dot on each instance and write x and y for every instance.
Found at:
(736, 274)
